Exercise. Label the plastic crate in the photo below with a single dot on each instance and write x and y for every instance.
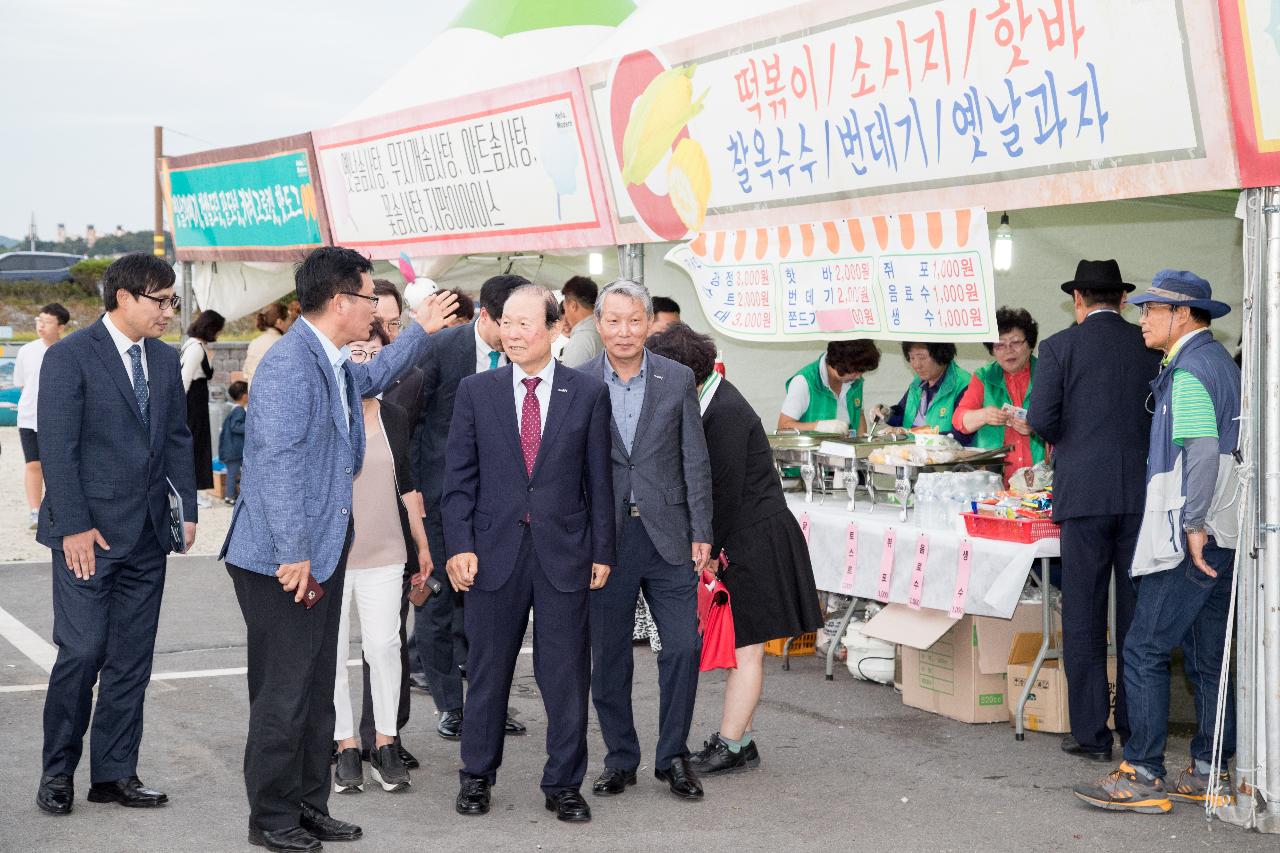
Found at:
(805, 644)
(1010, 529)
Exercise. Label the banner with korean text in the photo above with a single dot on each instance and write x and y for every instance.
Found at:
(877, 107)
(909, 277)
(498, 171)
(251, 202)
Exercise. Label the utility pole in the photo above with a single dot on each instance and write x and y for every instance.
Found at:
(158, 238)
(31, 232)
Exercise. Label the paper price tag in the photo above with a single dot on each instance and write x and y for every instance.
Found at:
(850, 560)
(962, 579)
(804, 526)
(885, 580)
(917, 573)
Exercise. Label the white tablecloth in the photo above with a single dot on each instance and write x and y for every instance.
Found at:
(997, 570)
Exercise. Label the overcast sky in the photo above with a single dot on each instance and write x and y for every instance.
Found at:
(84, 82)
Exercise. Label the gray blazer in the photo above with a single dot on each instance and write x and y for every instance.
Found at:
(301, 452)
(667, 469)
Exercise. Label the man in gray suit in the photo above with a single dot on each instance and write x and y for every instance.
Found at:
(290, 531)
(662, 489)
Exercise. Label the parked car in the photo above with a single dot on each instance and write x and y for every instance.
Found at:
(41, 266)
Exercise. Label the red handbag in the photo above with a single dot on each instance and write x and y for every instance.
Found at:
(715, 622)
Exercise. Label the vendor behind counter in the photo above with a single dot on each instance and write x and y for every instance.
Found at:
(931, 398)
(988, 411)
(826, 395)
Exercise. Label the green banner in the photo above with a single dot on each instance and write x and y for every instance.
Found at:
(263, 203)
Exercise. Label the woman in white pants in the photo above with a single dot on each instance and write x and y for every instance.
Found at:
(388, 531)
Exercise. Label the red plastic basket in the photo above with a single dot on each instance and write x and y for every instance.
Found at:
(1010, 529)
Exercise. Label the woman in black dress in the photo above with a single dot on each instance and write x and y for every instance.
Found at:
(769, 578)
(196, 373)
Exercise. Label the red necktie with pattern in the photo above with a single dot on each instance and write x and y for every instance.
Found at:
(530, 424)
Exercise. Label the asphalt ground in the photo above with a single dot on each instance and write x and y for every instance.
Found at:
(845, 766)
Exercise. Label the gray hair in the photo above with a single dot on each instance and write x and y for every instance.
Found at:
(549, 301)
(631, 290)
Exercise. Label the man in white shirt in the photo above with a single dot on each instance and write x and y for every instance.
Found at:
(579, 313)
(50, 322)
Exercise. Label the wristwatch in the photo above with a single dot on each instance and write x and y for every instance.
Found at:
(1193, 528)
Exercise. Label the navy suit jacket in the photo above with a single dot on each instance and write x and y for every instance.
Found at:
(454, 359)
(568, 499)
(1089, 402)
(102, 468)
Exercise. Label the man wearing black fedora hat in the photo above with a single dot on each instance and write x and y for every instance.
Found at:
(1185, 553)
(1091, 381)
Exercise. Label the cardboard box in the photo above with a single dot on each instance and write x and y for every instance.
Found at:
(954, 667)
(1046, 709)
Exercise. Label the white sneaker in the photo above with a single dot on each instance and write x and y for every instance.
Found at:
(202, 501)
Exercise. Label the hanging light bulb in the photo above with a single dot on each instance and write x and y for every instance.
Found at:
(595, 263)
(1002, 249)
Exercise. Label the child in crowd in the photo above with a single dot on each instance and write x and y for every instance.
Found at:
(231, 439)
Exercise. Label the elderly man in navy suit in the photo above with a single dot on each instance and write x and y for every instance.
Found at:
(458, 352)
(528, 521)
(112, 421)
(1089, 401)
(290, 530)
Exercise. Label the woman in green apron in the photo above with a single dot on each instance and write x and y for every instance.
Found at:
(826, 394)
(930, 400)
(993, 409)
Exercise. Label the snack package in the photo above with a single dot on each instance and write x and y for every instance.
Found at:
(1035, 478)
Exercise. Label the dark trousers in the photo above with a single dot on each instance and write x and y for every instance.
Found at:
(105, 630)
(232, 490)
(367, 735)
(671, 591)
(496, 622)
(437, 630)
(1094, 548)
(1179, 607)
(292, 656)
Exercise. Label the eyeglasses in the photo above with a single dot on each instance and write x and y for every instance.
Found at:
(1008, 346)
(396, 324)
(360, 356)
(174, 302)
(1145, 307)
(372, 300)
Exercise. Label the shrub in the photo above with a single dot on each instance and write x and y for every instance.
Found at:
(87, 273)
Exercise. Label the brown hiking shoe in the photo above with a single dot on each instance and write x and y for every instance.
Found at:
(1125, 789)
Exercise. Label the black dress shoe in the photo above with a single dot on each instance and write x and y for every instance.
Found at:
(450, 725)
(1072, 747)
(613, 781)
(407, 757)
(569, 806)
(473, 796)
(681, 779)
(55, 794)
(295, 839)
(319, 825)
(513, 726)
(716, 757)
(419, 682)
(127, 792)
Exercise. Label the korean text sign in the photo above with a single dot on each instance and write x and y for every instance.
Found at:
(498, 171)
(918, 96)
(912, 277)
(264, 202)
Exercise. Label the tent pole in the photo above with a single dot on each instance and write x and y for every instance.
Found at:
(631, 262)
(1270, 822)
(188, 301)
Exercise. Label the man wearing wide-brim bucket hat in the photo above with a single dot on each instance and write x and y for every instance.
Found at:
(1186, 550)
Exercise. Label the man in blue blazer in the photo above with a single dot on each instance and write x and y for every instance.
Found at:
(1089, 401)
(528, 521)
(111, 418)
(457, 352)
(290, 529)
